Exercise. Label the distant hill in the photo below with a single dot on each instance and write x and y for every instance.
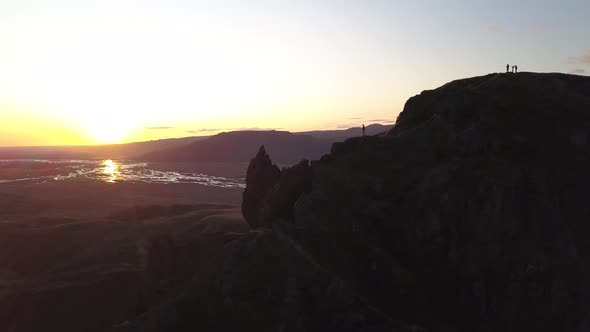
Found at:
(134, 150)
(285, 147)
(239, 146)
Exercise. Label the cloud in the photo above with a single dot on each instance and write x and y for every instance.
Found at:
(202, 130)
(255, 129)
(493, 28)
(366, 120)
(584, 58)
(208, 130)
(578, 71)
(158, 128)
(542, 27)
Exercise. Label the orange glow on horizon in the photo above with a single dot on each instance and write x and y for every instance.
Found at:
(20, 127)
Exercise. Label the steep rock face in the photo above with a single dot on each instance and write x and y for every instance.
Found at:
(469, 214)
(475, 194)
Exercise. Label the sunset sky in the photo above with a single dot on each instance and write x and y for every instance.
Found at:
(88, 72)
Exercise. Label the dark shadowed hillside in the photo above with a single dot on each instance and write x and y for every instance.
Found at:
(471, 214)
(239, 146)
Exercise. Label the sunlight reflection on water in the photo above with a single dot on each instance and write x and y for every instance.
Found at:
(113, 171)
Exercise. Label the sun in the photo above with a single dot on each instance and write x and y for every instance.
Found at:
(108, 130)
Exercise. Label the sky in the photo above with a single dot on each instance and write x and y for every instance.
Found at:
(90, 72)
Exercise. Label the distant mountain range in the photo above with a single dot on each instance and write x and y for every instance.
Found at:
(239, 146)
(229, 146)
(285, 147)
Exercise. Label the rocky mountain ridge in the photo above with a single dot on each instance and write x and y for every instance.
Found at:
(467, 215)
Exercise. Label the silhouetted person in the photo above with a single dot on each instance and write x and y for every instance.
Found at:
(515, 68)
(363, 130)
(508, 68)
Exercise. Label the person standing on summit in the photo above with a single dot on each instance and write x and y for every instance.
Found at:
(363, 130)
(508, 68)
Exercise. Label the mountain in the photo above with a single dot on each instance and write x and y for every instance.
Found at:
(239, 146)
(285, 147)
(470, 214)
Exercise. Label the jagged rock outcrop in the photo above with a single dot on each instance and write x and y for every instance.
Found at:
(271, 193)
(261, 177)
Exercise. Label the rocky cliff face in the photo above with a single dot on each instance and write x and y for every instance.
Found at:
(469, 215)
